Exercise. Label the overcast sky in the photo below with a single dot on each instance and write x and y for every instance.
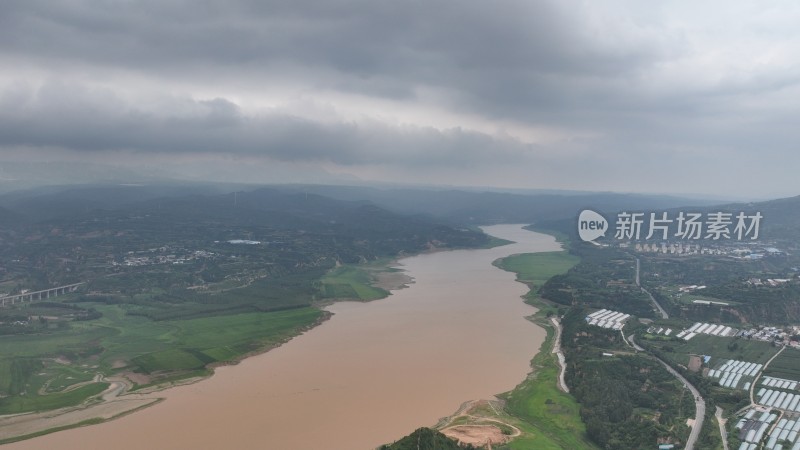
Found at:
(629, 96)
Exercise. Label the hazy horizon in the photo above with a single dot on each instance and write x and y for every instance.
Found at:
(49, 181)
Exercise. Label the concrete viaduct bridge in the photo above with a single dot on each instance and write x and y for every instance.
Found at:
(38, 295)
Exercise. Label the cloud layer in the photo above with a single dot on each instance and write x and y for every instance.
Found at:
(520, 93)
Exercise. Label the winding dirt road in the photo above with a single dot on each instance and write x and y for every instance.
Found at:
(562, 362)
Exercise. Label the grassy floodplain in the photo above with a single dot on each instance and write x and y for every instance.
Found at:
(24, 403)
(534, 269)
(35, 369)
(59, 367)
(548, 418)
(350, 282)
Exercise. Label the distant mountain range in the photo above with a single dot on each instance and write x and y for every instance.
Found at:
(336, 204)
(138, 217)
(485, 207)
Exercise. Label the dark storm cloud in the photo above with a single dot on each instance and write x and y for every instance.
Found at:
(509, 58)
(86, 120)
(618, 87)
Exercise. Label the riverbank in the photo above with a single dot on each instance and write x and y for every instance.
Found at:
(122, 397)
(139, 391)
(547, 416)
(329, 387)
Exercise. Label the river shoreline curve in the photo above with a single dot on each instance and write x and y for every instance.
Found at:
(370, 374)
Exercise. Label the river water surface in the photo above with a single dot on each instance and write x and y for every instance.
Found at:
(371, 374)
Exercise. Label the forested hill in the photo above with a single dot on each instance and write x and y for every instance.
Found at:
(426, 439)
(184, 245)
(197, 216)
(453, 206)
(781, 217)
(486, 206)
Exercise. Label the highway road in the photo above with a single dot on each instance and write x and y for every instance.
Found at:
(661, 311)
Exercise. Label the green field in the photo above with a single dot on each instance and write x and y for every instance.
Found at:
(551, 418)
(117, 336)
(29, 402)
(719, 348)
(350, 282)
(37, 370)
(495, 241)
(786, 365)
(726, 348)
(536, 268)
(179, 348)
(193, 343)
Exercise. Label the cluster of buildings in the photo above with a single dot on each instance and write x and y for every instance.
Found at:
(606, 318)
(776, 393)
(735, 374)
(692, 288)
(779, 383)
(755, 425)
(756, 254)
(708, 302)
(775, 420)
(660, 330)
(772, 282)
(168, 255)
(785, 431)
(146, 258)
(778, 399)
(706, 328)
(770, 334)
(753, 252)
(673, 249)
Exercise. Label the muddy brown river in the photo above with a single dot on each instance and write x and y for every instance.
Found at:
(371, 374)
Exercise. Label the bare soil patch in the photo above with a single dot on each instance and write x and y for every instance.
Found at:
(118, 364)
(695, 363)
(23, 424)
(137, 378)
(390, 280)
(479, 435)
